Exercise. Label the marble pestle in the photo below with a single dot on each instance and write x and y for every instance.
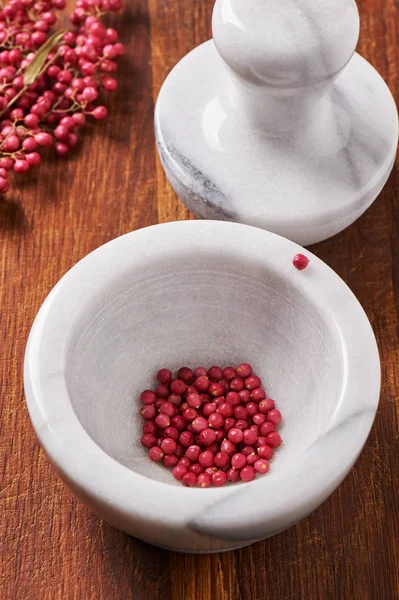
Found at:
(277, 122)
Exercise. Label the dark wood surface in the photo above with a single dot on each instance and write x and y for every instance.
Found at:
(51, 546)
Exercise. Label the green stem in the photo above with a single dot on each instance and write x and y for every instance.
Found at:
(13, 100)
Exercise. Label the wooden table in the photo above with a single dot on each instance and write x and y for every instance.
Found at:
(51, 546)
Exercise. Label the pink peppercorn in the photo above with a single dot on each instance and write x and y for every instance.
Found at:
(207, 437)
(233, 475)
(186, 439)
(219, 401)
(214, 448)
(267, 428)
(237, 384)
(229, 373)
(227, 446)
(186, 375)
(245, 396)
(258, 394)
(215, 420)
(261, 441)
(225, 409)
(255, 428)
(179, 471)
(205, 399)
(238, 461)
(150, 427)
(300, 262)
(259, 419)
(274, 439)
(241, 424)
(164, 376)
(252, 458)
(261, 466)
(247, 473)
(199, 372)
(220, 435)
(148, 440)
(247, 450)
(266, 405)
(199, 424)
(225, 384)
(204, 480)
(253, 382)
(189, 479)
(206, 459)
(178, 386)
(155, 454)
(211, 470)
(229, 423)
(170, 461)
(162, 421)
(171, 432)
(159, 402)
(189, 414)
(194, 400)
(148, 397)
(244, 370)
(219, 478)
(222, 459)
(184, 462)
(274, 416)
(175, 399)
(215, 373)
(240, 412)
(252, 408)
(178, 422)
(233, 398)
(193, 452)
(162, 391)
(190, 389)
(216, 389)
(202, 383)
(249, 437)
(235, 435)
(148, 412)
(168, 445)
(179, 451)
(196, 468)
(167, 408)
(265, 452)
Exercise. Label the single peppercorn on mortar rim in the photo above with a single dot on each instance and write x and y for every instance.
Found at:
(200, 292)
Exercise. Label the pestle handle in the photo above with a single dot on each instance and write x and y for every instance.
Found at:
(286, 44)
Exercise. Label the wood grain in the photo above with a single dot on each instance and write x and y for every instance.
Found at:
(52, 547)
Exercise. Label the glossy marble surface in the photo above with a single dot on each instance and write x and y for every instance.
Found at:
(291, 44)
(284, 129)
(157, 296)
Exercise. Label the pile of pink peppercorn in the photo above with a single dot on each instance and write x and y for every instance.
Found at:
(210, 426)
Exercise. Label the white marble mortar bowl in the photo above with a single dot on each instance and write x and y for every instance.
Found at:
(200, 293)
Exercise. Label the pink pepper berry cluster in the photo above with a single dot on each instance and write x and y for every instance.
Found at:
(77, 69)
(210, 426)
